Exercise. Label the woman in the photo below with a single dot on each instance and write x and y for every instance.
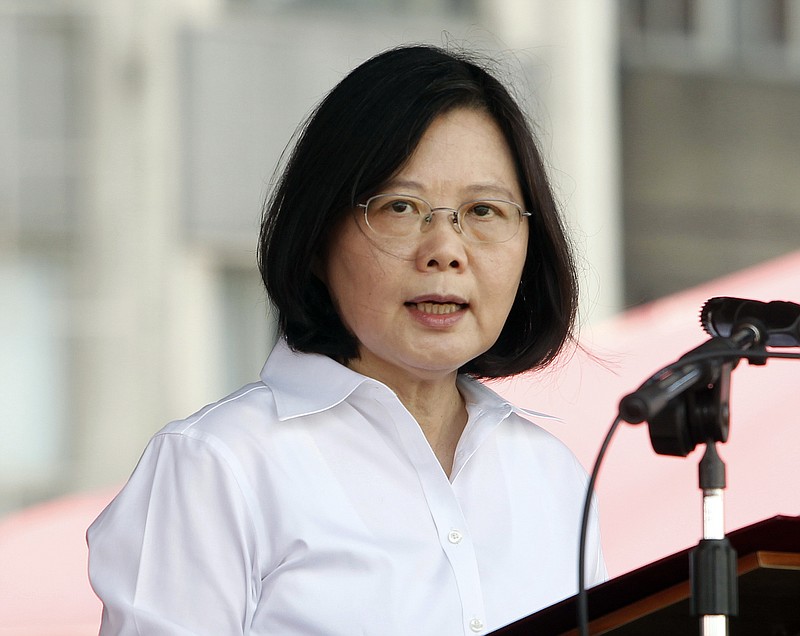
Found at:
(368, 483)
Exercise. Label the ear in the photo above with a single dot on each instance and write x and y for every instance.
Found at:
(319, 262)
(319, 269)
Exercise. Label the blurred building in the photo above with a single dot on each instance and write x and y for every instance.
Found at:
(710, 131)
(138, 139)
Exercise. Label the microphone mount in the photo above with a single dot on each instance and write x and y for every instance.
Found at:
(701, 378)
(686, 404)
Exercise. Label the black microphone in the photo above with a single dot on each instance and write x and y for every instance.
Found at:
(778, 321)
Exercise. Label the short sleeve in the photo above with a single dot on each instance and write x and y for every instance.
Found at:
(176, 551)
(595, 571)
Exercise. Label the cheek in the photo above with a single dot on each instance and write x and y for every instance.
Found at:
(502, 273)
(517, 260)
(342, 263)
(343, 284)
(355, 282)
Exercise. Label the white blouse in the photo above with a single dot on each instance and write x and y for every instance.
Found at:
(310, 503)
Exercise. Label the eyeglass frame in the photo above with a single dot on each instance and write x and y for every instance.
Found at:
(455, 218)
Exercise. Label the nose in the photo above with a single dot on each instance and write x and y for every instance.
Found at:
(441, 247)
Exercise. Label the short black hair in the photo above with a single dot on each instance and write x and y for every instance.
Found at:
(361, 134)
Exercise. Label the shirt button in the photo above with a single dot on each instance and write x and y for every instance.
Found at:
(476, 625)
(455, 536)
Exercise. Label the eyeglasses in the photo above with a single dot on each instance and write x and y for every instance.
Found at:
(402, 215)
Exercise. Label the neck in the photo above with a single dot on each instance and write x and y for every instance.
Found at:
(442, 416)
(436, 405)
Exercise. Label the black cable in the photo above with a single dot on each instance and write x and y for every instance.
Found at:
(582, 600)
(757, 357)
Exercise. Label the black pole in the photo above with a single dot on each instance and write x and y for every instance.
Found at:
(712, 564)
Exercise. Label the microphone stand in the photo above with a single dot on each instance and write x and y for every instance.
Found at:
(712, 564)
(684, 407)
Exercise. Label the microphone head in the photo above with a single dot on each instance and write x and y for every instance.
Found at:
(778, 321)
(718, 315)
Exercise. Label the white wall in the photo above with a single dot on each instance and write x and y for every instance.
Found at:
(174, 115)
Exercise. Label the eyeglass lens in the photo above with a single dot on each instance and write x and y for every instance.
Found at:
(399, 216)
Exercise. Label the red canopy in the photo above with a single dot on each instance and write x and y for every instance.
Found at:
(650, 504)
(44, 590)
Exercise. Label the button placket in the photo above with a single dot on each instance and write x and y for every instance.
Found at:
(447, 516)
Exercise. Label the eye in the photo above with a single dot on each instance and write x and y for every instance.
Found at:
(485, 211)
(400, 206)
(395, 206)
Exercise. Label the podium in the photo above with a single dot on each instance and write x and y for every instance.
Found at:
(654, 599)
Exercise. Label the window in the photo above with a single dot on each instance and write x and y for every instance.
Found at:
(663, 16)
(761, 38)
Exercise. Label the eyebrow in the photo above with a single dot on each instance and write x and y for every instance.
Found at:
(489, 189)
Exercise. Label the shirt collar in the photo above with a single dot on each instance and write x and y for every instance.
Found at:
(477, 393)
(306, 383)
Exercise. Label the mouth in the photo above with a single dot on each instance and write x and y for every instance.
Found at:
(437, 307)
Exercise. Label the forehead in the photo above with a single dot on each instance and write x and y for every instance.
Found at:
(463, 152)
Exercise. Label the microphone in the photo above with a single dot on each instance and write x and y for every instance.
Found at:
(778, 322)
(775, 324)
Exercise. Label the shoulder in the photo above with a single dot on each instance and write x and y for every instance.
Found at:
(518, 420)
(223, 437)
(253, 405)
(522, 435)
(546, 446)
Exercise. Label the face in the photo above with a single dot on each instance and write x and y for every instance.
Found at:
(422, 307)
